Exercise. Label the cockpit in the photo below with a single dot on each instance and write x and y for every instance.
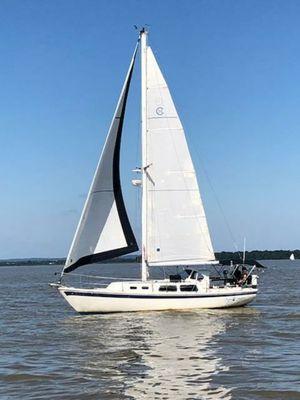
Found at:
(189, 274)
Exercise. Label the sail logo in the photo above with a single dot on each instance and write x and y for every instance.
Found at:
(159, 111)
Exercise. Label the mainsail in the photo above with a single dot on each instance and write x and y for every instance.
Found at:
(104, 230)
(177, 231)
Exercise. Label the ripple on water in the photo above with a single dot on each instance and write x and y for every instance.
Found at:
(49, 352)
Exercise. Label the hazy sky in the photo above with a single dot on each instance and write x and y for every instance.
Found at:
(233, 68)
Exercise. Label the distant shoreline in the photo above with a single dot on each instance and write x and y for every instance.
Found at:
(224, 257)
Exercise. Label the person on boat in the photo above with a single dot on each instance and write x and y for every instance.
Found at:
(244, 276)
(237, 274)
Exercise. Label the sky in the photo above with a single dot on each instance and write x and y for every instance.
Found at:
(233, 70)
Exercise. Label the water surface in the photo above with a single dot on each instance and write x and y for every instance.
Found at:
(49, 352)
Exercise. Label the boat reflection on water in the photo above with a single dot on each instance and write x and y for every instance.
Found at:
(157, 355)
(181, 357)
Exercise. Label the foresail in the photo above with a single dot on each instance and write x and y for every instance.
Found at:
(104, 230)
(177, 231)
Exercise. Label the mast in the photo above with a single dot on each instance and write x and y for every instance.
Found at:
(244, 252)
(143, 35)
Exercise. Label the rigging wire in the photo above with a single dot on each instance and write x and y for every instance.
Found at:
(221, 209)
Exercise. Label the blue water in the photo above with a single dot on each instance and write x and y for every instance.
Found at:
(49, 352)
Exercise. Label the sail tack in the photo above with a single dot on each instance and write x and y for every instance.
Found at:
(177, 231)
(104, 230)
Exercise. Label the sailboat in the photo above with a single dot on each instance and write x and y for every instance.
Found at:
(292, 257)
(174, 226)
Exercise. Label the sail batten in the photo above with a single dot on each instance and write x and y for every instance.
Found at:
(177, 231)
(104, 230)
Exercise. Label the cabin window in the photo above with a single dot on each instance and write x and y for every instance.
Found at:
(168, 288)
(145, 287)
(132, 287)
(175, 278)
(188, 288)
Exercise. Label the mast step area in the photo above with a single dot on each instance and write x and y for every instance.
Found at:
(156, 295)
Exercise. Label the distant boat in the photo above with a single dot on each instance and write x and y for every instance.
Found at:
(174, 226)
(292, 257)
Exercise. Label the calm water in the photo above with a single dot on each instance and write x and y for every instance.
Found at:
(49, 352)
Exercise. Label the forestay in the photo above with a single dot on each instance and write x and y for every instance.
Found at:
(104, 230)
(177, 231)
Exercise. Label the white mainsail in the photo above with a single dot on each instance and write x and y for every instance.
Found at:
(292, 257)
(177, 231)
(104, 230)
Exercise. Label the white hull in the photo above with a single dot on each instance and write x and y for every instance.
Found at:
(103, 301)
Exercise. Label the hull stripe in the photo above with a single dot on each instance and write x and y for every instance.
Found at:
(137, 296)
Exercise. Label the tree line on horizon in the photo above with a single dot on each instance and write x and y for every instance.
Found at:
(224, 257)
